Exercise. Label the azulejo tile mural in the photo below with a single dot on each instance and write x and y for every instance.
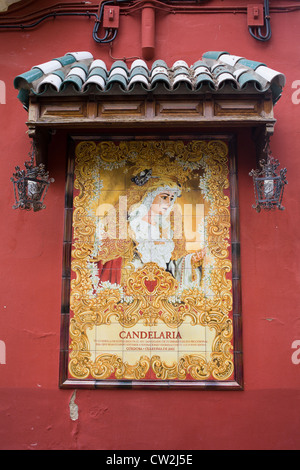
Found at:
(151, 288)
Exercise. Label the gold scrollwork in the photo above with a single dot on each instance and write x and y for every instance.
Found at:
(151, 287)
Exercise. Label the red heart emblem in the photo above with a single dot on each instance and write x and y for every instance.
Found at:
(150, 285)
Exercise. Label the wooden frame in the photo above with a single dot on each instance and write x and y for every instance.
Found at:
(237, 382)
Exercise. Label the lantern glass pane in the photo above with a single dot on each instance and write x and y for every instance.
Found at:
(269, 188)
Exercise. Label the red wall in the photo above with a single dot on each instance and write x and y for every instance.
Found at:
(34, 412)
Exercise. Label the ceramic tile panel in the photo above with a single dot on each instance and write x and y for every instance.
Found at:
(151, 290)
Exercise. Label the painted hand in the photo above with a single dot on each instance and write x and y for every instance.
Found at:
(198, 256)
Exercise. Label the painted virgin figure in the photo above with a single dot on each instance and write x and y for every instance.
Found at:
(153, 225)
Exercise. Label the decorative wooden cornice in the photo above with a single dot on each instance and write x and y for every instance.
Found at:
(151, 110)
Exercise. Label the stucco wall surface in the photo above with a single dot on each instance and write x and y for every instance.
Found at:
(34, 412)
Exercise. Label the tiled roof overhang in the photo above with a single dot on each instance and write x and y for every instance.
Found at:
(79, 73)
(221, 89)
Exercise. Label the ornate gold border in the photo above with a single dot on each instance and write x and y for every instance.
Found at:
(90, 310)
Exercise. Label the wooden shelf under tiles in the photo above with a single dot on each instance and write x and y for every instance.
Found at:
(149, 111)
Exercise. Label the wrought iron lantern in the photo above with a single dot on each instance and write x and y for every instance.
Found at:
(31, 185)
(268, 185)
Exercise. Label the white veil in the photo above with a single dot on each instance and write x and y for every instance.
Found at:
(148, 235)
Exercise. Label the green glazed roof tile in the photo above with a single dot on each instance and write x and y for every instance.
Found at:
(77, 71)
(159, 63)
(66, 60)
(161, 77)
(98, 71)
(117, 78)
(213, 55)
(23, 80)
(80, 65)
(23, 96)
(139, 71)
(121, 64)
(72, 80)
(247, 78)
(250, 63)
